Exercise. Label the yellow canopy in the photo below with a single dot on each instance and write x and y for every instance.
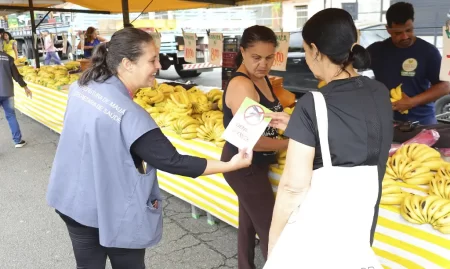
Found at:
(115, 6)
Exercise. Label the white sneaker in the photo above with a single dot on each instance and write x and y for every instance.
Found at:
(21, 144)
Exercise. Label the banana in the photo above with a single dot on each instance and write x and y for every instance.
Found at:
(220, 144)
(429, 154)
(189, 135)
(434, 208)
(281, 161)
(443, 221)
(419, 180)
(433, 164)
(416, 207)
(388, 181)
(392, 199)
(425, 205)
(402, 162)
(442, 211)
(418, 172)
(390, 189)
(444, 229)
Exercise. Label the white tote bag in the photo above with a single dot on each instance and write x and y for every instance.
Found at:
(331, 227)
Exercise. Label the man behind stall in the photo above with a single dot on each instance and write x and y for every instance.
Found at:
(412, 62)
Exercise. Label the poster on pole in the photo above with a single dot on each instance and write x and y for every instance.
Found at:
(190, 47)
(215, 45)
(281, 54)
(445, 65)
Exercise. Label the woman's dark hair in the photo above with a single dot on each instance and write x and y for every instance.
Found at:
(399, 13)
(9, 35)
(334, 33)
(255, 34)
(106, 57)
(89, 35)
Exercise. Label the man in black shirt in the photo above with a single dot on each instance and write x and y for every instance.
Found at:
(8, 71)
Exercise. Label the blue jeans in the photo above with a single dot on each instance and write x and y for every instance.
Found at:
(8, 106)
(52, 55)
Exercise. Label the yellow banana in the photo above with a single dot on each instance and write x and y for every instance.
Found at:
(411, 166)
(190, 129)
(429, 154)
(434, 207)
(392, 199)
(425, 205)
(388, 181)
(433, 164)
(444, 229)
(390, 189)
(189, 135)
(281, 161)
(416, 207)
(419, 180)
(419, 171)
(441, 212)
(443, 221)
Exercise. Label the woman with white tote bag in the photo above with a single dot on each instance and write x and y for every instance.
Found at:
(328, 197)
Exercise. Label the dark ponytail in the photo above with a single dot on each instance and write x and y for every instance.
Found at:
(334, 33)
(98, 71)
(360, 57)
(106, 57)
(252, 35)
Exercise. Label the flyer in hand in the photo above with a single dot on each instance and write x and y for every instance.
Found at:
(247, 125)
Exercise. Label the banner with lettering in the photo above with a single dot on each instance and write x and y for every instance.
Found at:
(190, 47)
(282, 51)
(445, 65)
(215, 46)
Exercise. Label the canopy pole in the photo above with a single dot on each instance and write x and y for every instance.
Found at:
(125, 13)
(33, 34)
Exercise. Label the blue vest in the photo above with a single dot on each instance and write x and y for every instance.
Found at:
(94, 179)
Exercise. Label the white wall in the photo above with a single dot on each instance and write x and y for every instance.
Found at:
(290, 13)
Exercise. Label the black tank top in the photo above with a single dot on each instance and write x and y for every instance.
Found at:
(268, 157)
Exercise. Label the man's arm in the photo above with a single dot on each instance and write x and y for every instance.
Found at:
(439, 88)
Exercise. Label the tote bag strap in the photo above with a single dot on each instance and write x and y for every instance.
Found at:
(322, 127)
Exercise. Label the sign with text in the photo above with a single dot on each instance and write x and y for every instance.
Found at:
(445, 64)
(281, 54)
(215, 48)
(190, 47)
(247, 126)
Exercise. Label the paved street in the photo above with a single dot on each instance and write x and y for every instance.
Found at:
(32, 236)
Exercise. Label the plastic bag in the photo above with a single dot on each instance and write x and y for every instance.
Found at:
(426, 137)
(445, 152)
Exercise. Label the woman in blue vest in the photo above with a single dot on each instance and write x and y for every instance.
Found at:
(91, 40)
(110, 203)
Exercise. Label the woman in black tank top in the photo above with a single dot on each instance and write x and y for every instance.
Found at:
(252, 185)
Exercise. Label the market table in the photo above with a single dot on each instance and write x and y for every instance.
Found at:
(398, 243)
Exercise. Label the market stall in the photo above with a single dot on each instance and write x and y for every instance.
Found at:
(398, 243)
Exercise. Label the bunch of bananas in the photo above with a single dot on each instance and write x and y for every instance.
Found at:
(392, 194)
(431, 209)
(20, 61)
(200, 103)
(213, 115)
(410, 172)
(396, 95)
(166, 89)
(427, 156)
(214, 95)
(289, 111)
(155, 110)
(440, 184)
(218, 130)
(186, 127)
(148, 97)
(165, 119)
(281, 158)
(211, 130)
(179, 103)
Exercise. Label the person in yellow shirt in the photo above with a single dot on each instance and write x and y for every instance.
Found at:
(10, 45)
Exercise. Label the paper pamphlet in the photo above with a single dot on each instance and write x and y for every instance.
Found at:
(247, 125)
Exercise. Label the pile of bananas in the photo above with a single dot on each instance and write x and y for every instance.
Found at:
(48, 76)
(289, 111)
(20, 61)
(281, 159)
(440, 184)
(431, 209)
(396, 95)
(414, 164)
(186, 127)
